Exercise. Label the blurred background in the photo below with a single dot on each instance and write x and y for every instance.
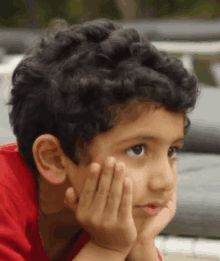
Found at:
(36, 14)
(187, 29)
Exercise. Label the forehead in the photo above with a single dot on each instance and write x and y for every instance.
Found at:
(143, 120)
(131, 110)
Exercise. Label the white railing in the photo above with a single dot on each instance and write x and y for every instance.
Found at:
(209, 48)
(188, 49)
(198, 248)
(7, 67)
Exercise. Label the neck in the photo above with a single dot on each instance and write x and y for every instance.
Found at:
(51, 203)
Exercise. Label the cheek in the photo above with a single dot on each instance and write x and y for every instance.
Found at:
(139, 180)
(175, 172)
(137, 176)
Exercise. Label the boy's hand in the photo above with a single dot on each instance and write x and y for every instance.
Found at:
(144, 247)
(105, 207)
(154, 225)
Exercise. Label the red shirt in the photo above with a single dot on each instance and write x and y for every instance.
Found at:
(19, 231)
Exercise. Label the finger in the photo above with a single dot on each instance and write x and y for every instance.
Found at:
(89, 189)
(104, 186)
(116, 190)
(71, 199)
(70, 195)
(125, 208)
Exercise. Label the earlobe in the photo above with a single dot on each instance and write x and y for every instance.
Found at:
(55, 179)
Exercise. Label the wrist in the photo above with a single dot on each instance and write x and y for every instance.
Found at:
(106, 252)
(154, 252)
(144, 250)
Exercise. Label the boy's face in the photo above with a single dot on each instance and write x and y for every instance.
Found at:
(147, 146)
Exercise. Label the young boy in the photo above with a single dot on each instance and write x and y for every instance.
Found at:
(99, 115)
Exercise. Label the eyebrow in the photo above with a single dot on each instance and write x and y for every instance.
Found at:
(149, 138)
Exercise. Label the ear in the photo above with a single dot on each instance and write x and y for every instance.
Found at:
(50, 159)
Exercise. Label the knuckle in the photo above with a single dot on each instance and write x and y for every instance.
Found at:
(95, 221)
(88, 222)
(110, 162)
(81, 217)
(107, 225)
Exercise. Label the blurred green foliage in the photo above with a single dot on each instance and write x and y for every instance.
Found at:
(22, 13)
(38, 13)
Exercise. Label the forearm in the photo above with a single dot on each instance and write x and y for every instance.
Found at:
(91, 252)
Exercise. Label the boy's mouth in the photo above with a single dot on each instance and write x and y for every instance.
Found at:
(154, 205)
(152, 208)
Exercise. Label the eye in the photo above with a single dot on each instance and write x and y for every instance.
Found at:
(137, 151)
(172, 151)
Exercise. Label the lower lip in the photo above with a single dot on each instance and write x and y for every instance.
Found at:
(152, 210)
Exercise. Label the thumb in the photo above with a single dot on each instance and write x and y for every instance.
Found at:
(71, 198)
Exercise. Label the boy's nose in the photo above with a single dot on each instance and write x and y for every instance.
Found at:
(162, 177)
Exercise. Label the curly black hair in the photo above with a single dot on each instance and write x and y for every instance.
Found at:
(68, 79)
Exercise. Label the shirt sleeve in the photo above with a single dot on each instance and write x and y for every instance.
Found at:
(14, 244)
(82, 240)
